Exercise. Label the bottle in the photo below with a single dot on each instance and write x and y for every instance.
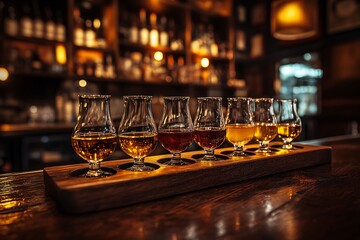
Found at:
(164, 36)
(26, 23)
(11, 25)
(134, 31)
(36, 63)
(38, 21)
(99, 36)
(79, 68)
(49, 25)
(78, 28)
(109, 68)
(60, 31)
(89, 68)
(214, 48)
(154, 32)
(99, 68)
(89, 34)
(144, 31)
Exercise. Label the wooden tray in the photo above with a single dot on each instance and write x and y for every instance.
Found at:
(75, 194)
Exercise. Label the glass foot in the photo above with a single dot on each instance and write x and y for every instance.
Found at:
(144, 168)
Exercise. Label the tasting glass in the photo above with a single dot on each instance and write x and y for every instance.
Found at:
(240, 127)
(176, 130)
(289, 122)
(94, 135)
(209, 126)
(137, 131)
(265, 123)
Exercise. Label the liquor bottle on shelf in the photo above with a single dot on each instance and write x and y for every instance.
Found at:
(13, 59)
(26, 22)
(49, 25)
(164, 36)
(36, 63)
(60, 31)
(11, 25)
(99, 36)
(214, 48)
(171, 76)
(89, 68)
(78, 28)
(99, 68)
(154, 32)
(147, 68)
(133, 30)
(109, 67)
(38, 21)
(89, 34)
(79, 68)
(176, 43)
(144, 31)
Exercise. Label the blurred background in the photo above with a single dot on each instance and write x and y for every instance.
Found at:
(52, 51)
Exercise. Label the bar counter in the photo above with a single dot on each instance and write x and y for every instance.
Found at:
(321, 202)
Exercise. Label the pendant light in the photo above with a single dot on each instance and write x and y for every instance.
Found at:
(294, 19)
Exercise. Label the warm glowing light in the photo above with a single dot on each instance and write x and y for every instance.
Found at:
(60, 54)
(97, 23)
(82, 83)
(204, 62)
(294, 19)
(158, 56)
(4, 74)
(291, 13)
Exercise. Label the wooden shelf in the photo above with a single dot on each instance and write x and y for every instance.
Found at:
(38, 41)
(41, 75)
(97, 49)
(140, 47)
(210, 57)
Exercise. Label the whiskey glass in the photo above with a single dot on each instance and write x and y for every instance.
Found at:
(176, 130)
(289, 122)
(265, 123)
(240, 127)
(137, 131)
(94, 136)
(209, 126)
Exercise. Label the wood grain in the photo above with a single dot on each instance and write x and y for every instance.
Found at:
(79, 195)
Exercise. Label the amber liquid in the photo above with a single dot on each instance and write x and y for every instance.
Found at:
(288, 131)
(209, 138)
(240, 134)
(176, 141)
(138, 144)
(94, 147)
(265, 132)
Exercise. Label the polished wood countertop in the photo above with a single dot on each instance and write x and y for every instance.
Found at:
(34, 128)
(320, 202)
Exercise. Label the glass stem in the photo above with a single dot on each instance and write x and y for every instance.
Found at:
(94, 169)
(238, 151)
(139, 162)
(287, 144)
(264, 146)
(209, 155)
(175, 158)
(94, 166)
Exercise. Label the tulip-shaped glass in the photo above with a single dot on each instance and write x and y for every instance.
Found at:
(176, 130)
(265, 123)
(94, 135)
(240, 127)
(289, 122)
(137, 131)
(209, 126)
